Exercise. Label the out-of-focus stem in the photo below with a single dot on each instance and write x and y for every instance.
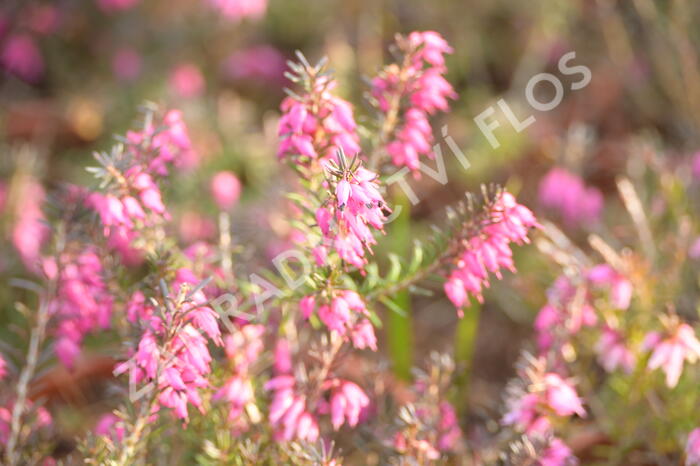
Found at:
(35, 341)
(225, 245)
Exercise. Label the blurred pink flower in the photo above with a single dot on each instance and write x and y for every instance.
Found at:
(21, 56)
(109, 6)
(565, 193)
(671, 349)
(696, 165)
(195, 227)
(561, 396)
(612, 352)
(261, 62)
(3, 368)
(557, 454)
(692, 448)
(225, 189)
(235, 10)
(29, 231)
(126, 64)
(694, 251)
(43, 19)
(110, 426)
(186, 80)
(620, 287)
(347, 401)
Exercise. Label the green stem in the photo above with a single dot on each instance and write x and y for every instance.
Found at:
(465, 346)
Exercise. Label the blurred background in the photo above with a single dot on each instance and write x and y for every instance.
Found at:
(74, 72)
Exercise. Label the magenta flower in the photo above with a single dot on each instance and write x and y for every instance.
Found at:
(260, 63)
(415, 90)
(225, 189)
(347, 402)
(620, 287)
(692, 448)
(179, 362)
(566, 194)
(346, 221)
(82, 304)
(346, 314)
(21, 56)
(29, 231)
(489, 251)
(561, 396)
(110, 426)
(671, 349)
(318, 125)
(3, 368)
(448, 427)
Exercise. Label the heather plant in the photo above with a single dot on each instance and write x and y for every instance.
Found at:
(220, 361)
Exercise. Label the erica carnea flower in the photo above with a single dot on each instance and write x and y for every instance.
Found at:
(488, 250)
(538, 395)
(29, 232)
(316, 124)
(671, 348)
(692, 448)
(82, 304)
(409, 92)
(540, 450)
(21, 56)
(225, 189)
(243, 347)
(566, 194)
(354, 209)
(173, 350)
(110, 426)
(345, 313)
(162, 143)
(3, 368)
(612, 351)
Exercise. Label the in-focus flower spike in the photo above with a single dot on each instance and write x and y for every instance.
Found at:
(354, 210)
(488, 250)
(413, 90)
(315, 124)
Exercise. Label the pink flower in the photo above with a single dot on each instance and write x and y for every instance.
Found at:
(565, 193)
(318, 125)
(29, 231)
(692, 448)
(696, 165)
(363, 335)
(422, 85)
(126, 64)
(489, 251)
(347, 402)
(110, 426)
(3, 368)
(186, 80)
(22, 57)
(347, 221)
(694, 252)
(225, 189)
(561, 396)
(612, 352)
(82, 304)
(620, 287)
(236, 10)
(557, 454)
(448, 427)
(671, 349)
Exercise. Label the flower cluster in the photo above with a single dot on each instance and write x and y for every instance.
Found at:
(243, 348)
(344, 313)
(420, 84)
(570, 307)
(166, 143)
(173, 348)
(317, 124)
(345, 220)
(566, 194)
(489, 250)
(671, 348)
(295, 406)
(537, 395)
(83, 303)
